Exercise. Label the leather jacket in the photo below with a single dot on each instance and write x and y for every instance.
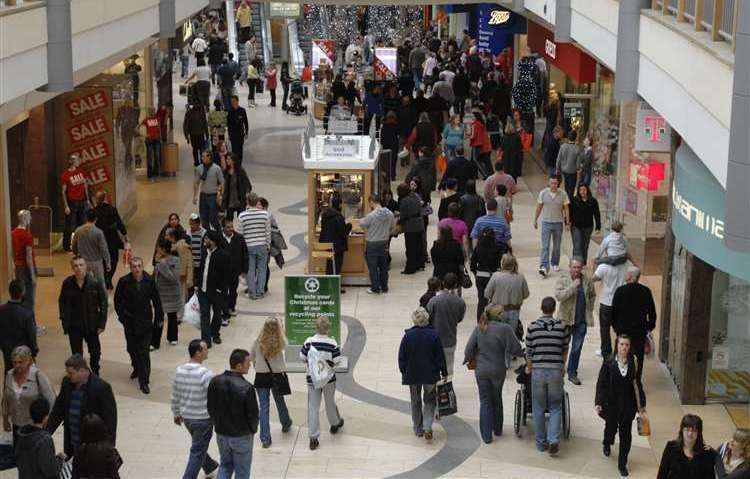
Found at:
(232, 405)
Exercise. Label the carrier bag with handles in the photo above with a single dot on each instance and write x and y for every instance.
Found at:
(446, 399)
(319, 367)
(192, 314)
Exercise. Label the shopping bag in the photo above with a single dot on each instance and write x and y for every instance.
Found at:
(441, 163)
(446, 399)
(192, 313)
(526, 139)
(67, 470)
(649, 346)
(644, 426)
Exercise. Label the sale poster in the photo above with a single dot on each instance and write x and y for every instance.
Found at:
(385, 65)
(84, 127)
(323, 51)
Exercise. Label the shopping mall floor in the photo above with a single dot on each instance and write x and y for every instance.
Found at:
(377, 440)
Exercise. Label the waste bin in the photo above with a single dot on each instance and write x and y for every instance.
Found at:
(169, 156)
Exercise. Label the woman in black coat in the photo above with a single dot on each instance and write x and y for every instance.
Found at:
(335, 230)
(389, 140)
(687, 457)
(616, 400)
(95, 457)
(584, 216)
(485, 260)
(236, 186)
(447, 254)
(512, 151)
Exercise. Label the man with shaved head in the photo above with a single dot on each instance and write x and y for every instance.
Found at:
(634, 313)
(108, 220)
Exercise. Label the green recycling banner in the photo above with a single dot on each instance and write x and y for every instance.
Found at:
(306, 299)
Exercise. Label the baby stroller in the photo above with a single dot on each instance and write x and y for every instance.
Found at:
(297, 99)
(523, 404)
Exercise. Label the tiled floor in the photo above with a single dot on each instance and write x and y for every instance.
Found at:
(377, 440)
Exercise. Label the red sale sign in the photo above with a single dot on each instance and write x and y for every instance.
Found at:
(323, 52)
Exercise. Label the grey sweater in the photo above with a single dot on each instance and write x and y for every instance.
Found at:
(491, 348)
(90, 243)
(378, 224)
(446, 311)
(568, 158)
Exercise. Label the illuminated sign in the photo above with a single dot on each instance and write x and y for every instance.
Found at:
(284, 10)
(498, 17)
(550, 48)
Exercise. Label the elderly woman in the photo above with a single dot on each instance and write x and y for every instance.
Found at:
(491, 343)
(422, 363)
(24, 384)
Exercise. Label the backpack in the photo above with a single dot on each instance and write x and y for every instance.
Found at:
(319, 367)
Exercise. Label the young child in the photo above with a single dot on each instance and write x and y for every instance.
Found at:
(504, 204)
(614, 247)
(433, 286)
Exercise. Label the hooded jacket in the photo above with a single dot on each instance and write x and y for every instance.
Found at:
(35, 454)
(334, 229)
(379, 223)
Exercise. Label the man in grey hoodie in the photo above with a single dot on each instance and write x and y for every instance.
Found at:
(447, 309)
(568, 163)
(378, 225)
(35, 450)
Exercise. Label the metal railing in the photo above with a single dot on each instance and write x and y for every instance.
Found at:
(717, 17)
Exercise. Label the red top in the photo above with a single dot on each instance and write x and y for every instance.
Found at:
(153, 127)
(271, 81)
(480, 137)
(307, 74)
(75, 181)
(21, 238)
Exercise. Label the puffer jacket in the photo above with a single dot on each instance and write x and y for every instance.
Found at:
(232, 405)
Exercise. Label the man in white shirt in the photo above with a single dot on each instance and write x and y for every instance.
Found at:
(552, 206)
(199, 47)
(612, 277)
(189, 407)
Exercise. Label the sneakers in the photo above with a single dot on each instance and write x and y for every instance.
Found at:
(225, 322)
(372, 291)
(314, 443)
(556, 269)
(598, 353)
(335, 429)
(554, 448)
(173, 343)
(542, 272)
(575, 380)
(153, 348)
(40, 330)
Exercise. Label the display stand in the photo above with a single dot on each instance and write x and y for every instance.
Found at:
(342, 165)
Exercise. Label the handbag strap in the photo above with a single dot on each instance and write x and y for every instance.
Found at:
(269, 365)
(635, 385)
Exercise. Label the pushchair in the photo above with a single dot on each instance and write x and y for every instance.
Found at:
(297, 99)
(523, 404)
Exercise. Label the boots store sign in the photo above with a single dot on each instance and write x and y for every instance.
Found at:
(85, 128)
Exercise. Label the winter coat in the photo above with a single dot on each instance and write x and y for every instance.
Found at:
(243, 186)
(195, 123)
(83, 309)
(334, 229)
(615, 393)
(185, 255)
(389, 136)
(134, 303)
(420, 356)
(512, 154)
(447, 257)
(472, 207)
(410, 214)
(167, 278)
(479, 137)
(424, 169)
(35, 454)
(97, 460)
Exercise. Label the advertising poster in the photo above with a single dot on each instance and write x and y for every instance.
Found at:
(84, 119)
(306, 299)
(323, 51)
(496, 27)
(385, 65)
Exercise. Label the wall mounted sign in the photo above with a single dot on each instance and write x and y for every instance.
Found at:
(652, 132)
(495, 27)
(284, 10)
(498, 17)
(565, 56)
(550, 48)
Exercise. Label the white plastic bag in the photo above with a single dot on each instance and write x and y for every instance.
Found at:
(319, 367)
(192, 314)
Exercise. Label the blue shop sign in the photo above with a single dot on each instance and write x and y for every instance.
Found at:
(698, 215)
(496, 26)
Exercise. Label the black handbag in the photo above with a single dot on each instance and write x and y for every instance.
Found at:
(279, 381)
(466, 280)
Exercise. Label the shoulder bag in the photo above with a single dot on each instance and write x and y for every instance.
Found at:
(279, 381)
(644, 426)
(466, 279)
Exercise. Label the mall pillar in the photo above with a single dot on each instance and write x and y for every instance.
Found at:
(563, 14)
(518, 6)
(737, 220)
(59, 47)
(167, 18)
(628, 31)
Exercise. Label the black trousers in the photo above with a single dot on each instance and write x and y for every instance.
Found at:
(77, 338)
(251, 86)
(230, 295)
(636, 348)
(237, 142)
(198, 142)
(272, 91)
(212, 302)
(114, 257)
(605, 321)
(158, 328)
(624, 426)
(72, 221)
(414, 253)
(481, 282)
(140, 357)
(285, 97)
(338, 258)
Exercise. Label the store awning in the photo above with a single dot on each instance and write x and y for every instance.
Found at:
(566, 56)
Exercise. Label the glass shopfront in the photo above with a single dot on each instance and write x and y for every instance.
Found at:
(604, 129)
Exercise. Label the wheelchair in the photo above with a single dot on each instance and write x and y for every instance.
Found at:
(522, 407)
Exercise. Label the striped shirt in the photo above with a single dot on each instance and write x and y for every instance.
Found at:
(74, 417)
(546, 343)
(322, 344)
(189, 391)
(255, 225)
(196, 243)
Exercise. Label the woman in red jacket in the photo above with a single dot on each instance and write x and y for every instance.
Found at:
(481, 146)
(272, 82)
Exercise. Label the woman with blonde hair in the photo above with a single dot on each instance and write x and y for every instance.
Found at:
(733, 461)
(267, 355)
(491, 345)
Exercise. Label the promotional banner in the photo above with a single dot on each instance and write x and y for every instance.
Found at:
(306, 299)
(84, 120)
(323, 51)
(385, 66)
(496, 27)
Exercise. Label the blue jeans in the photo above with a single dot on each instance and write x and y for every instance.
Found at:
(153, 157)
(184, 63)
(450, 151)
(265, 406)
(256, 272)
(490, 406)
(377, 265)
(209, 211)
(578, 333)
(200, 431)
(550, 231)
(417, 74)
(236, 456)
(546, 395)
(581, 238)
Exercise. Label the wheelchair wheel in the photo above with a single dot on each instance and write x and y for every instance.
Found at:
(518, 413)
(566, 416)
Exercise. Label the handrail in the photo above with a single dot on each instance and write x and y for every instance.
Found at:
(723, 16)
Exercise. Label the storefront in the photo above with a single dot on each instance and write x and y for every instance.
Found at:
(707, 330)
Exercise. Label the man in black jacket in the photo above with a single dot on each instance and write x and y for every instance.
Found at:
(17, 324)
(138, 305)
(234, 411)
(237, 127)
(461, 169)
(83, 311)
(551, 149)
(212, 279)
(195, 128)
(108, 220)
(234, 244)
(334, 229)
(634, 313)
(82, 393)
